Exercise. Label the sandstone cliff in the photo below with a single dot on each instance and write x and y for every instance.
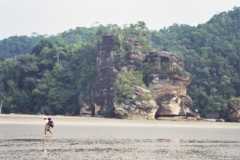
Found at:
(168, 83)
(139, 84)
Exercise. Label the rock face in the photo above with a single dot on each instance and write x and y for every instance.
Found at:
(162, 91)
(168, 82)
(233, 110)
(104, 90)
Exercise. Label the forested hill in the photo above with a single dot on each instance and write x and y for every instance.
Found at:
(17, 45)
(212, 55)
(37, 81)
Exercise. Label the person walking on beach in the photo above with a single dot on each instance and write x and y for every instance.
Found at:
(48, 126)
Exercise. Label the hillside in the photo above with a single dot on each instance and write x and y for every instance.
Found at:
(212, 53)
(17, 45)
(60, 69)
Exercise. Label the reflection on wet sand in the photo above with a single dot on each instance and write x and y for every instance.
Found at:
(56, 149)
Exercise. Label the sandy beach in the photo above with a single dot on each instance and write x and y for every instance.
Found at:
(94, 121)
(21, 137)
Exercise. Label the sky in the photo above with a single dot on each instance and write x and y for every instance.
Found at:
(24, 17)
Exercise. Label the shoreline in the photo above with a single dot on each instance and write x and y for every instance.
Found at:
(111, 122)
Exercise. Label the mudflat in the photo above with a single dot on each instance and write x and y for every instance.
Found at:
(21, 137)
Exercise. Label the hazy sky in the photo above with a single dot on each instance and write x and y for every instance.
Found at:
(18, 17)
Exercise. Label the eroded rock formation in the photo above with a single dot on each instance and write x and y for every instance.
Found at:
(105, 78)
(233, 110)
(168, 83)
(163, 91)
(140, 106)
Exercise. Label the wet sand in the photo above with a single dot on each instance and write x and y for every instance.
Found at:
(21, 137)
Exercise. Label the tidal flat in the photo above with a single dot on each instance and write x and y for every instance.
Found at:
(74, 138)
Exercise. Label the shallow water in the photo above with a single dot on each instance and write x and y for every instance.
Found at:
(74, 142)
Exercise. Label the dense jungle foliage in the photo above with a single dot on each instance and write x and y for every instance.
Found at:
(40, 74)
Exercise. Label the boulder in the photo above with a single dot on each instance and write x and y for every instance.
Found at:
(233, 110)
(140, 106)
